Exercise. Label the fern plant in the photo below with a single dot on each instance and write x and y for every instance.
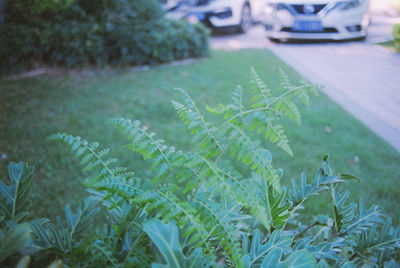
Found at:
(197, 209)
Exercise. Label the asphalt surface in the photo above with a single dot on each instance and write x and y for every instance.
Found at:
(362, 77)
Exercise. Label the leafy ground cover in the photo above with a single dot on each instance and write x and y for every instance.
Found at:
(80, 103)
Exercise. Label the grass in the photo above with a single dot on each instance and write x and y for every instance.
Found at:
(388, 44)
(34, 108)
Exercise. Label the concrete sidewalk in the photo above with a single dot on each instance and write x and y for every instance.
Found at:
(363, 78)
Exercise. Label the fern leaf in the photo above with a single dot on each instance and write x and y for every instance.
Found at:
(237, 100)
(220, 227)
(261, 93)
(203, 132)
(225, 178)
(253, 155)
(14, 198)
(101, 254)
(285, 81)
(288, 108)
(162, 202)
(275, 133)
(146, 144)
(93, 159)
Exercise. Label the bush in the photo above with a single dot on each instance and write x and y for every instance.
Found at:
(396, 36)
(76, 33)
(164, 40)
(196, 209)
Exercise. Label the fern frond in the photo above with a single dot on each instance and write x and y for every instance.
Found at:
(262, 124)
(237, 99)
(162, 203)
(220, 227)
(301, 91)
(223, 176)
(146, 144)
(101, 254)
(93, 159)
(285, 81)
(289, 109)
(203, 131)
(261, 93)
(251, 154)
(14, 198)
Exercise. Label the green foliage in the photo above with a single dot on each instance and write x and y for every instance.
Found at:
(166, 238)
(254, 252)
(396, 36)
(14, 240)
(14, 198)
(76, 33)
(298, 259)
(197, 209)
(64, 236)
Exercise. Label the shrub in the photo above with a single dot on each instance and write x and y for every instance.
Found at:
(76, 33)
(396, 36)
(197, 209)
(162, 41)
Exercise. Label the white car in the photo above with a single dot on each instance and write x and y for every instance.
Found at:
(316, 19)
(220, 14)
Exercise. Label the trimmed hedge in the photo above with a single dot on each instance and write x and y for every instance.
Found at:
(77, 33)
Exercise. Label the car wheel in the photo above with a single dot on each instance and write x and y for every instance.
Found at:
(245, 20)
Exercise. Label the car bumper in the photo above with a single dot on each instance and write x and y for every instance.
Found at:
(336, 25)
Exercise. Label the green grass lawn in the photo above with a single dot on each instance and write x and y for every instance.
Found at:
(31, 109)
(388, 44)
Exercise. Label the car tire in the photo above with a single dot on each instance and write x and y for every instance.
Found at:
(245, 21)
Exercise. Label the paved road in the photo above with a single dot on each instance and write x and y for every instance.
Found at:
(362, 77)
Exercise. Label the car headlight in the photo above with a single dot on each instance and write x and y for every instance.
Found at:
(276, 6)
(345, 5)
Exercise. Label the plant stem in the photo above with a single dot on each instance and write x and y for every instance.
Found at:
(306, 229)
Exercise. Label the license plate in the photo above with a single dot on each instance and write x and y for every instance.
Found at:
(200, 16)
(308, 26)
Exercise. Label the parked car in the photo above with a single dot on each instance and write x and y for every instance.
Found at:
(317, 19)
(218, 14)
